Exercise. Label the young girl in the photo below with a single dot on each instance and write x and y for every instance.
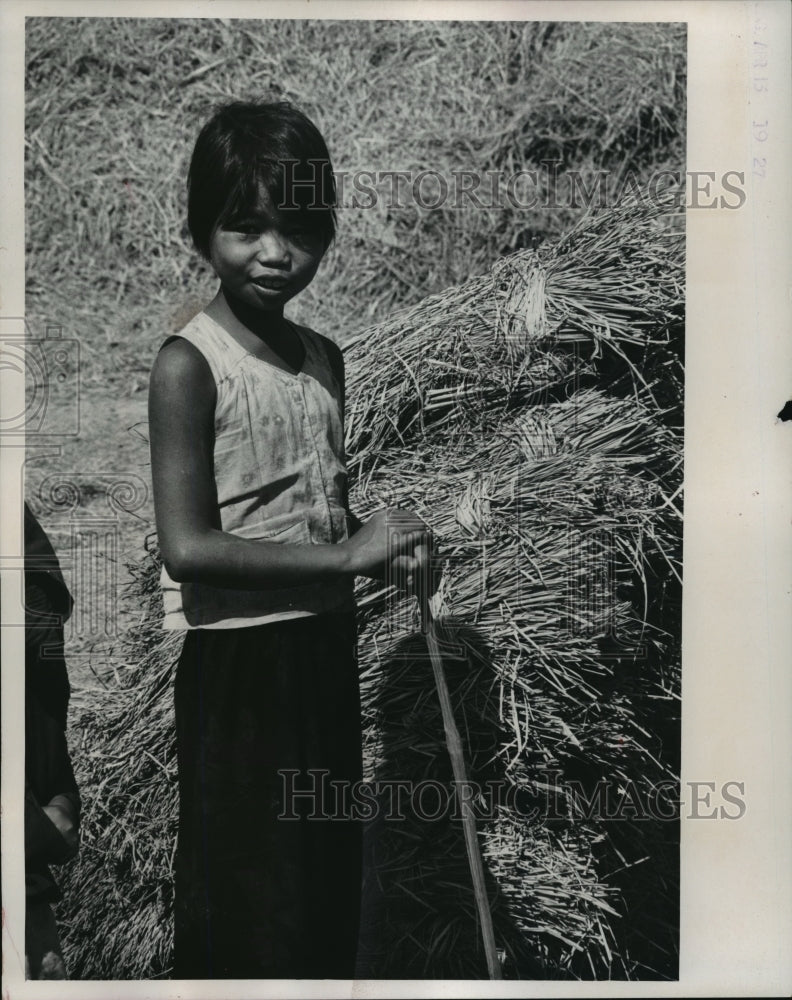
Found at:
(260, 552)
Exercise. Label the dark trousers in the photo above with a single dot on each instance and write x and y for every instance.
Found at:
(260, 895)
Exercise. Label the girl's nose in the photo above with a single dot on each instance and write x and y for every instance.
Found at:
(272, 248)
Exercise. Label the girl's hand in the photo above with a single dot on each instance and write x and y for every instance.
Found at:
(393, 545)
(412, 572)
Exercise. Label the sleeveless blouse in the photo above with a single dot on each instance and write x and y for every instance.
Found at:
(280, 472)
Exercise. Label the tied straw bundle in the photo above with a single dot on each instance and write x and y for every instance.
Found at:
(537, 685)
(614, 281)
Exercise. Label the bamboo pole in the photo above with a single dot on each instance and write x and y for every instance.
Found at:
(455, 751)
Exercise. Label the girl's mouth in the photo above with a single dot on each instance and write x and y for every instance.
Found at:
(273, 283)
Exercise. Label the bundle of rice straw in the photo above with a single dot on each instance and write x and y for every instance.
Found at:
(614, 281)
(556, 659)
(550, 473)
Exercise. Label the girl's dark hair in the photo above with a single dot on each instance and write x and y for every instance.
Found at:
(245, 146)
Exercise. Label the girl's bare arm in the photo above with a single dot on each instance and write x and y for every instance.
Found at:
(193, 545)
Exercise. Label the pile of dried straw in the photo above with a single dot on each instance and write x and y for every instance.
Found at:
(113, 106)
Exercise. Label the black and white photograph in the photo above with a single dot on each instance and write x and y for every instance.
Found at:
(351, 437)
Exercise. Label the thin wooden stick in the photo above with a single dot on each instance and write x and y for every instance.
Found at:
(454, 744)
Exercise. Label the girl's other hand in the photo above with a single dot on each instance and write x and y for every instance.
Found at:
(61, 813)
(393, 545)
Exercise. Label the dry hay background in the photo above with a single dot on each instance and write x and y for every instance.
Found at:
(528, 403)
(113, 106)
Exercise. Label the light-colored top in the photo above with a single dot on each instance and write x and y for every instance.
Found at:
(280, 471)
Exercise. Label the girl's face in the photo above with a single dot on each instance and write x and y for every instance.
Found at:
(263, 257)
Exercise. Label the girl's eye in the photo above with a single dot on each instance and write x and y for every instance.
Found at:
(301, 235)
